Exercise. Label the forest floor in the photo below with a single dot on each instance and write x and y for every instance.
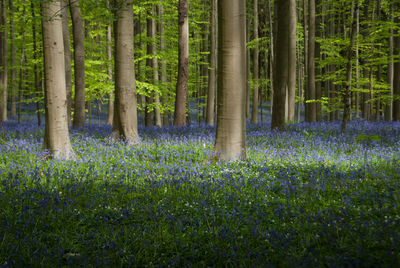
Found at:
(309, 196)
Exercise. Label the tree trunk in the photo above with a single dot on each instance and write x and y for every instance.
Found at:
(183, 64)
(13, 71)
(212, 69)
(165, 118)
(312, 115)
(157, 113)
(79, 63)
(254, 110)
(389, 105)
(357, 95)
(318, 84)
(38, 90)
(281, 65)
(347, 94)
(3, 61)
(396, 74)
(67, 57)
(248, 69)
(306, 91)
(125, 107)
(272, 33)
(292, 61)
(56, 138)
(110, 115)
(231, 117)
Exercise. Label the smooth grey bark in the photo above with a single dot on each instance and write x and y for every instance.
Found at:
(272, 33)
(37, 82)
(312, 115)
(21, 70)
(305, 70)
(292, 61)
(248, 69)
(357, 95)
(396, 73)
(183, 63)
(148, 116)
(154, 63)
(254, 110)
(390, 76)
(67, 57)
(230, 142)
(13, 71)
(3, 61)
(318, 84)
(110, 115)
(281, 65)
(213, 64)
(163, 63)
(56, 139)
(347, 93)
(125, 107)
(79, 63)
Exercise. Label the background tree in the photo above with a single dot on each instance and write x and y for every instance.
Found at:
(79, 63)
(281, 65)
(125, 107)
(3, 60)
(67, 57)
(183, 64)
(213, 64)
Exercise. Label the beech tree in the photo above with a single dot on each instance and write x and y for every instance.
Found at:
(183, 63)
(67, 57)
(56, 138)
(125, 106)
(79, 63)
(230, 142)
(213, 64)
(3, 61)
(254, 111)
(281, 65)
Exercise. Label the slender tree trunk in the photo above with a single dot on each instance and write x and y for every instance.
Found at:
(165, 119)
(357, 95)
(3, 61)
(248, 69)
(110, 115)
(389, 105)
(13, 71)
(371, 65)
(37, 86)
(396, 74)
(213, 65)
(79, 63)
(305, 32)
(125, 108)
(347, 95)
(254, 110)
(157, 113)
(272, 33)
(281, 65)
(292, 61)
(21, 69)
(67, 57)
(318, 84)
(183, 64)
(230, 140)
(312, 115)
(148, 116)
(56, 138)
